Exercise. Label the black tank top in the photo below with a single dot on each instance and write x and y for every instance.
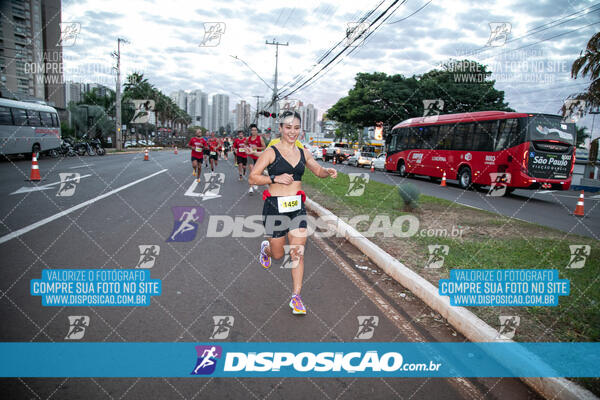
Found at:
(281, 166)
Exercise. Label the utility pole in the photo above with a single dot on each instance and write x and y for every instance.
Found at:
(119, 134)
(275, 107)
(257, 97)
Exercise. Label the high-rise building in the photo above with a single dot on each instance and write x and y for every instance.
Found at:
(243, 115)
(180, 98)
(201, 110)
(220, 111)
(30, 57)
(72, 92)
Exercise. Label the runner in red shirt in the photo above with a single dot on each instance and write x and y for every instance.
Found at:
(239, 151)
(257, 144)
(197, 144)
(213, 147)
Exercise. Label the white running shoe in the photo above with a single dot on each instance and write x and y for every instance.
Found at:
(251, 190)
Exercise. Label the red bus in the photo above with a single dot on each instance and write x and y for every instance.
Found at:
(528, 151)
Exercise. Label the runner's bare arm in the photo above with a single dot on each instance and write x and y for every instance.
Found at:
(316, 168)
(256, 177)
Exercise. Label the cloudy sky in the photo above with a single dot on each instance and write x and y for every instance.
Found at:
(532, 66)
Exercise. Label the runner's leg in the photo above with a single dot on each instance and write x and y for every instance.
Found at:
(297, 241)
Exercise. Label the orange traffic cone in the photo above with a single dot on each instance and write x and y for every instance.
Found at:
(146, 155)
(372, 168)
(579, 208)
(175, 150)
(333, 160)
(35, 169)
(443, 180)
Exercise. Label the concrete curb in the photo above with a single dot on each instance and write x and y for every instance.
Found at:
(467, 323)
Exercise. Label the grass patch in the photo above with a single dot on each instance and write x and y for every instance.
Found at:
(490, 241)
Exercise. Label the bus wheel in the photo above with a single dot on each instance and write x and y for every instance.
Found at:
(402, 169)
(464, 177)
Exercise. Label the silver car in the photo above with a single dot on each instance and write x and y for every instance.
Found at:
(360, 159)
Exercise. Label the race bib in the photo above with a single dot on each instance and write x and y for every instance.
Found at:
(199, 149)
(242, 150)
(213, 153)
(287, 204)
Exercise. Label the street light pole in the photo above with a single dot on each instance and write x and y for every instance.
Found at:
(274, 101)
(119, 134)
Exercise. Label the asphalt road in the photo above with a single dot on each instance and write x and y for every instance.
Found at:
(550, 208)
(126, 202)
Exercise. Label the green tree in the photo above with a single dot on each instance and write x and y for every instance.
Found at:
(582, 134)
(588, 65)
(394, 98)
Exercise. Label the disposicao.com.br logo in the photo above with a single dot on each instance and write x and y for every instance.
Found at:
(307, 362)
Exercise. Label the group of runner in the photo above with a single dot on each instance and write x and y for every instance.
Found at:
(284, 213)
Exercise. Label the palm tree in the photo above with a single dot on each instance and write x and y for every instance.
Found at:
(582, 134)
(588, 64)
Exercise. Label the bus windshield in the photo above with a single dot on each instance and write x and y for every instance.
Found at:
(544, 127)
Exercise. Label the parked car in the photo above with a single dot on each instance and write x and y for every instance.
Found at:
(340, 151)
(379, 162)
(360, 159)
(316, 152)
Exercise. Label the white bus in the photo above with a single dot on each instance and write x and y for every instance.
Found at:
(27, 127)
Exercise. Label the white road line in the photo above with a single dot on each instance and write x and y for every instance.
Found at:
(31, 227)
(546, 191)
(81, 166)
(29, 189)
(466, 205)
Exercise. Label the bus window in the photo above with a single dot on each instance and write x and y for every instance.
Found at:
(462, 138)
(483, 140)
(402, 143)
(54, 120)
(5, 116)
(46, 118)
(33, 118)
(507, 129)
(414, 139)
(433, 136)
(19, 116)
(426, 140)
(393, 142)
(444, 137)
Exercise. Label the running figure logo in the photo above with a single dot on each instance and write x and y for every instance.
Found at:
(508, 326)
(354, 32)
(77, 325)
(212, 34)
(185, 225)
(499, 183)
(579, 253)
(433, 107)
(213, 184)
(358, 183)
(207, 359)
(68, 183)
(366, 326)
(223, 324)
(436, 255)
(572, 110)
(148, 254)
(68, 33)
(499, 32)
(292, 254)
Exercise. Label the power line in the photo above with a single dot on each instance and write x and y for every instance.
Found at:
(347, 46)
(410, 15)
(300, 76)
(536, 30)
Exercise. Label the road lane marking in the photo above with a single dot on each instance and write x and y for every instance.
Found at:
(48, 186)
(51, 218)
(81, 166)
(466, 205)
